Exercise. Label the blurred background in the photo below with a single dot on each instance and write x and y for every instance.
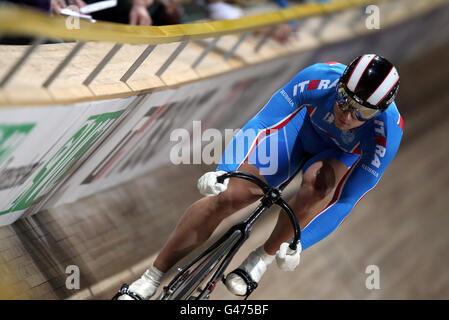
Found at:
(87, 177)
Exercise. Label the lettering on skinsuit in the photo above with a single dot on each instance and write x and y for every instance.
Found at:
(287, 98)
(374, 173)
(381, 145)
(313, 85)
(329, 118)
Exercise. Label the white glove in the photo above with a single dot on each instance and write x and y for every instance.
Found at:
(208, 185)
(286, 258)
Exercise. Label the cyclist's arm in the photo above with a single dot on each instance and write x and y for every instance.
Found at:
(285, 103)
(361, 178)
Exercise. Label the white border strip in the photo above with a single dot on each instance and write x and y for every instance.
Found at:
(385, 87)
(358, 71)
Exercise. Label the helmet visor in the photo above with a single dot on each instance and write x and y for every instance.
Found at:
(358, 111)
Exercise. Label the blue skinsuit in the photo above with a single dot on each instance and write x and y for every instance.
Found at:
(299, 118)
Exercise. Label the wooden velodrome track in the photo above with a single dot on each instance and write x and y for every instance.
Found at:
(400, 226)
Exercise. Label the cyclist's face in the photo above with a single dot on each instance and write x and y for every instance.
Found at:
(344, 119)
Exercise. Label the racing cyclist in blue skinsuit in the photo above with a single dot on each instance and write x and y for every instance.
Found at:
(345, 117)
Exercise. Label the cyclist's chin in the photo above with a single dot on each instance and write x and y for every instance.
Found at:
(342, 125)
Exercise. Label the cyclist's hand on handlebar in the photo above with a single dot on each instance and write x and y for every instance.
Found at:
(208, 185)
(286, 258)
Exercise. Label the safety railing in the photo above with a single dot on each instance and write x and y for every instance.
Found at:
(206, 35)
(40, 25)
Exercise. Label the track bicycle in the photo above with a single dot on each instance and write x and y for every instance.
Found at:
(197, 279)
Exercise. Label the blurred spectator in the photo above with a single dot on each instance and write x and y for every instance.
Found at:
(141, 12)
(58, 5)
(42, 5)
(136, 12)
(172, 12)
(221, 10)
(226, 10)
(284, 31)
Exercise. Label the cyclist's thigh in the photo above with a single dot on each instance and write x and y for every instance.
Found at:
(279, 152)
(339, 160)
(324, 171)
(241, 193)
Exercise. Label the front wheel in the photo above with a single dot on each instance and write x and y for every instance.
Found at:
(188, 284)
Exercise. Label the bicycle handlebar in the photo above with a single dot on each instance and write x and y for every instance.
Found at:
(272, 195)
(246, 176)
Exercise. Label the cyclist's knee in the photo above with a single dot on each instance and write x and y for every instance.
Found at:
(319, 180)
(240, 193)
(236, 197)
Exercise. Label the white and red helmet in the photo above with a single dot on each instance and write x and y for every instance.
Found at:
(372, 81)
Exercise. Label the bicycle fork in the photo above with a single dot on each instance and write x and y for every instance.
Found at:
(243, 230)
(223, 250)
(230, 242)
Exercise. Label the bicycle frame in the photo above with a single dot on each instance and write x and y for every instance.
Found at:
(240, 232)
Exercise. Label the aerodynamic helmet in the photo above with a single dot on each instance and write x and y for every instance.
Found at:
(368, 86)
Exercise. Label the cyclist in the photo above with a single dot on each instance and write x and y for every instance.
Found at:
(345, 116)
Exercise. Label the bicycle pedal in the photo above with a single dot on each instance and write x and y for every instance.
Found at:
(161, 296)
(167, 290)
(124, 290)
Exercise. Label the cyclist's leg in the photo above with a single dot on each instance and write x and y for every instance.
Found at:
(321, 177)
(203, 217)
(195, 227)
(277, 156)
(321, 174)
